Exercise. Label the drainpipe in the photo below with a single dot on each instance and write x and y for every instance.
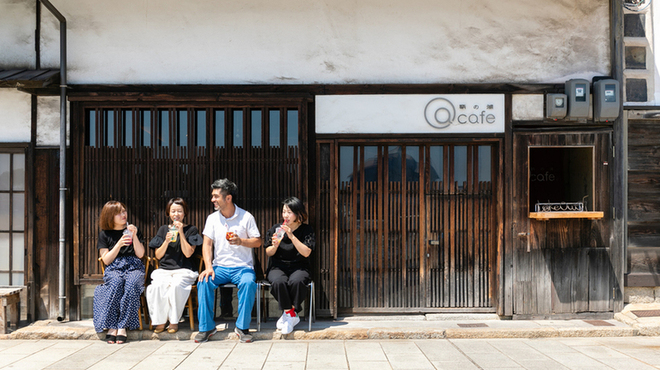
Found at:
(62, 250)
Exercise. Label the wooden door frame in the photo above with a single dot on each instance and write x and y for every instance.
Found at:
(497, 218)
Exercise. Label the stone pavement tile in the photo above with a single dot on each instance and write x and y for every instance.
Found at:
(11, 343)
(369, 365)
(163, 362)
(546, 364)
(364, 351)
(469, 346)
(599, 352)
(208, 356)
(546, 346)
(326, 355)
(28, 347)
(84, 358)
(7, 359)
(493, 360)
(577, 361)
(42, 359)
(453, 365)
(571, 342)
(440, 350)
(128, 355)
(177, 348)
(405, 355)
(248, 355)
(76, 344)
(627, 364)
(287, 352)
(517, 349)
(278, 365)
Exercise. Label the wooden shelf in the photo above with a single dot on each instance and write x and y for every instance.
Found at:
(545, 216)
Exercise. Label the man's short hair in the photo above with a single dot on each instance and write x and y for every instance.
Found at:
(226, 188)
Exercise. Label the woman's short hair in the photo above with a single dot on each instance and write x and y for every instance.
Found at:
(297, 207)
(108, 213)
(179, 202)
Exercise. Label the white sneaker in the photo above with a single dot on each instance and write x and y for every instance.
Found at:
(289, 323)
(280, 321)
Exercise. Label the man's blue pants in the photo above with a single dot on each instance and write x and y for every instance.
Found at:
(244, 278)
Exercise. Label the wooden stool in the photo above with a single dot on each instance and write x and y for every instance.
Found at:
(10, 298)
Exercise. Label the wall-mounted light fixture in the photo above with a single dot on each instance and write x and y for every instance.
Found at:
(636, 5)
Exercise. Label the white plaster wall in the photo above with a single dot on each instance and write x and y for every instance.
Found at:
(15, 112)
(17, 24)
(341, 41)
(48, 121)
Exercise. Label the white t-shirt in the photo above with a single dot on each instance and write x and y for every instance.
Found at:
(242, 224)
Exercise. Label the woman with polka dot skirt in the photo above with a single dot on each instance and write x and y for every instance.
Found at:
(117, 300)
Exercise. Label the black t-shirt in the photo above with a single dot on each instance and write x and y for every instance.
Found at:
(287, 256)
(174, 258)
(108, 239)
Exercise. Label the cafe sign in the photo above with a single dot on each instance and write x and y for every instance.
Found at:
(410, 114)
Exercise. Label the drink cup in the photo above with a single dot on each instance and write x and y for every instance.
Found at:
(230, 234)
(130, 234)
(174, 231)
(279, 233)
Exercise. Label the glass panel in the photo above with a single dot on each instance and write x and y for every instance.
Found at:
(90, 133)
(145, 117)
(127, 119)
(412, 163)
(292, 127)
(201, 128)
(238, 128)
(460, 165)
(370, 163)
(4, 251)
(19, 172)
(17, 278)
(109, 119)
(5, 171)
(274, 127)
(346, 163)
(18, 214)
(4, 278)
(437, 163)
(394, 163)
(18, 252)
(164, 128)
(255, 127)
(484, 163)
(4, 211)
(220, 128)
(182, 137)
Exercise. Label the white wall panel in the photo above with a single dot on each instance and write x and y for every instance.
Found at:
(15, 125)
(342, 41)
(17, 24)
(48, 121)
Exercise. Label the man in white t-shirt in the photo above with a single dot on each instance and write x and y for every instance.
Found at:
(230, 233)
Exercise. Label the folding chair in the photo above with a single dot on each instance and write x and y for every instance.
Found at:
(142, 310)
(190, 305)
(266, 283)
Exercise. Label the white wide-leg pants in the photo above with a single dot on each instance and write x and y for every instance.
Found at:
(168, 293)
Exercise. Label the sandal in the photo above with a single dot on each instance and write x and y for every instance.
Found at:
(173, 329)
(111, 339)
(159, 329)
(121, 339)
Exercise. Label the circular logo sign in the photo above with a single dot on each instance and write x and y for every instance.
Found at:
(439, 113)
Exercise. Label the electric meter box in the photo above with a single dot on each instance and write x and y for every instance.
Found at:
(555, 106)
(606, 100)
(578, 93)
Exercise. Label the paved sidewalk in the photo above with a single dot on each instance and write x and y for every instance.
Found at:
(465, 354)
(430, 326)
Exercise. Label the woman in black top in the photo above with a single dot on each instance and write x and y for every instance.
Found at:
(171, 283)
(288, 265)
(117, 300)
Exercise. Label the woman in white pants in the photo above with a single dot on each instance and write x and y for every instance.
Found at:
(171, 283)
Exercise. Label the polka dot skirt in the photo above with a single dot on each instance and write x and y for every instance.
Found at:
(117, 300)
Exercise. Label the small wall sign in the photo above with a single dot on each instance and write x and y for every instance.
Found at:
(370, 114)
